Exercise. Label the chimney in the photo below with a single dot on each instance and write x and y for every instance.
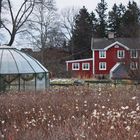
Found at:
(111, 35)
(92, 42)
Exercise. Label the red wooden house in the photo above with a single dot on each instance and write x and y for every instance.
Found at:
(111, 59)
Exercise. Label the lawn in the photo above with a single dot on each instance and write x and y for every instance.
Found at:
(89, 112)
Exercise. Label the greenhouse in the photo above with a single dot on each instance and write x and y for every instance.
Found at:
(21, 72)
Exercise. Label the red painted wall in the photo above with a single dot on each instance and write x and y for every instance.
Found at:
(111, 59)
(81, 73)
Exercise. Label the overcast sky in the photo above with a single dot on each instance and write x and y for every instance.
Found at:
(89, 4)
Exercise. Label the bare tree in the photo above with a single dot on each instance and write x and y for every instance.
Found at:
(68, 21)
(45, 23)
(43, 27)
(16, 18)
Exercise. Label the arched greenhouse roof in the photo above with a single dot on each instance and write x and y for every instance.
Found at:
(13, 61)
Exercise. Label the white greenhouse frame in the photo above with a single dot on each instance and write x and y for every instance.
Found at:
(21, 72)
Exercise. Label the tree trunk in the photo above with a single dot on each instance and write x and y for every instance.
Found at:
(12, 39)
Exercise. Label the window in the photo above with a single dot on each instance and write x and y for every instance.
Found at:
(116, 46)
(75, 66)
(133, 53)
(102, 54)
(85, 66)
(120, 53)
(133, 65)
(102, 66)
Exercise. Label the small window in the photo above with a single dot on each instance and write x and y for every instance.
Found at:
(85, 66)
(102, 54)
(116, 46)
(120, 53)
(102, 66)
(75, 66)
(134, 53)
(133, 65)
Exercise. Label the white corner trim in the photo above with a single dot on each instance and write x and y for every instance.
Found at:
(113, 68)
(66, 66)
(116, 43)
(93, 55)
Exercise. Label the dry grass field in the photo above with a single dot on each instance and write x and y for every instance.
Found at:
(96, 112)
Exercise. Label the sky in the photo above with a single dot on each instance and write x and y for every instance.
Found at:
(89, 4)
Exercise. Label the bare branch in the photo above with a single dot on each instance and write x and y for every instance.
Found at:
(20, 10)
(68, 20)
(11, 12)
(31, 7)
(6, 28)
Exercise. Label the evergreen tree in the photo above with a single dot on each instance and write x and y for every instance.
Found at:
(82, 33)
(94, 24)
(115, 19)
(130, 21)
(101, 11)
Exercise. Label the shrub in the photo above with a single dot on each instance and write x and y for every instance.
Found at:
(72, 113)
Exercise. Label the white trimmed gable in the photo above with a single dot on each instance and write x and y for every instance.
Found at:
(116, 43)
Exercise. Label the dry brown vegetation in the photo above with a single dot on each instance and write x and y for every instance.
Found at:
(72, 113)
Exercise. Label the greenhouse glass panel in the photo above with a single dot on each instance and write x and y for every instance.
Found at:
(7, 63)
(40, 81)
(21, 72)
(22, 61)
(35, 65)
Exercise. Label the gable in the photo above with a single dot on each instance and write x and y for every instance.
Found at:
(116, 43)
(127, 43)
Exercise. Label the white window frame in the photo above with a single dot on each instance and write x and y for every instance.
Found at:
(116, 46)
(102, 52)
(133, 64)
(73, 66)
(88, 68)
(100, 66)
(131, 54)
(118, 52)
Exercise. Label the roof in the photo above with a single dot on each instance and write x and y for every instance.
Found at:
(13, 61)
(79, 60)
(119, 71)
(102, 43)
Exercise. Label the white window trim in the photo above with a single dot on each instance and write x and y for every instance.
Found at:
(100, 66)
(75, 68)
(85, 68)
(100, 52)
(131, 64)
(118, 54)
(131, 54)
(116, 46)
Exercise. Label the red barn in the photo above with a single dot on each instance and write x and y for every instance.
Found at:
(109, 60)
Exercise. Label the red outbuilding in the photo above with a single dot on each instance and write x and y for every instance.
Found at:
(82, 68)
(111, 58)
